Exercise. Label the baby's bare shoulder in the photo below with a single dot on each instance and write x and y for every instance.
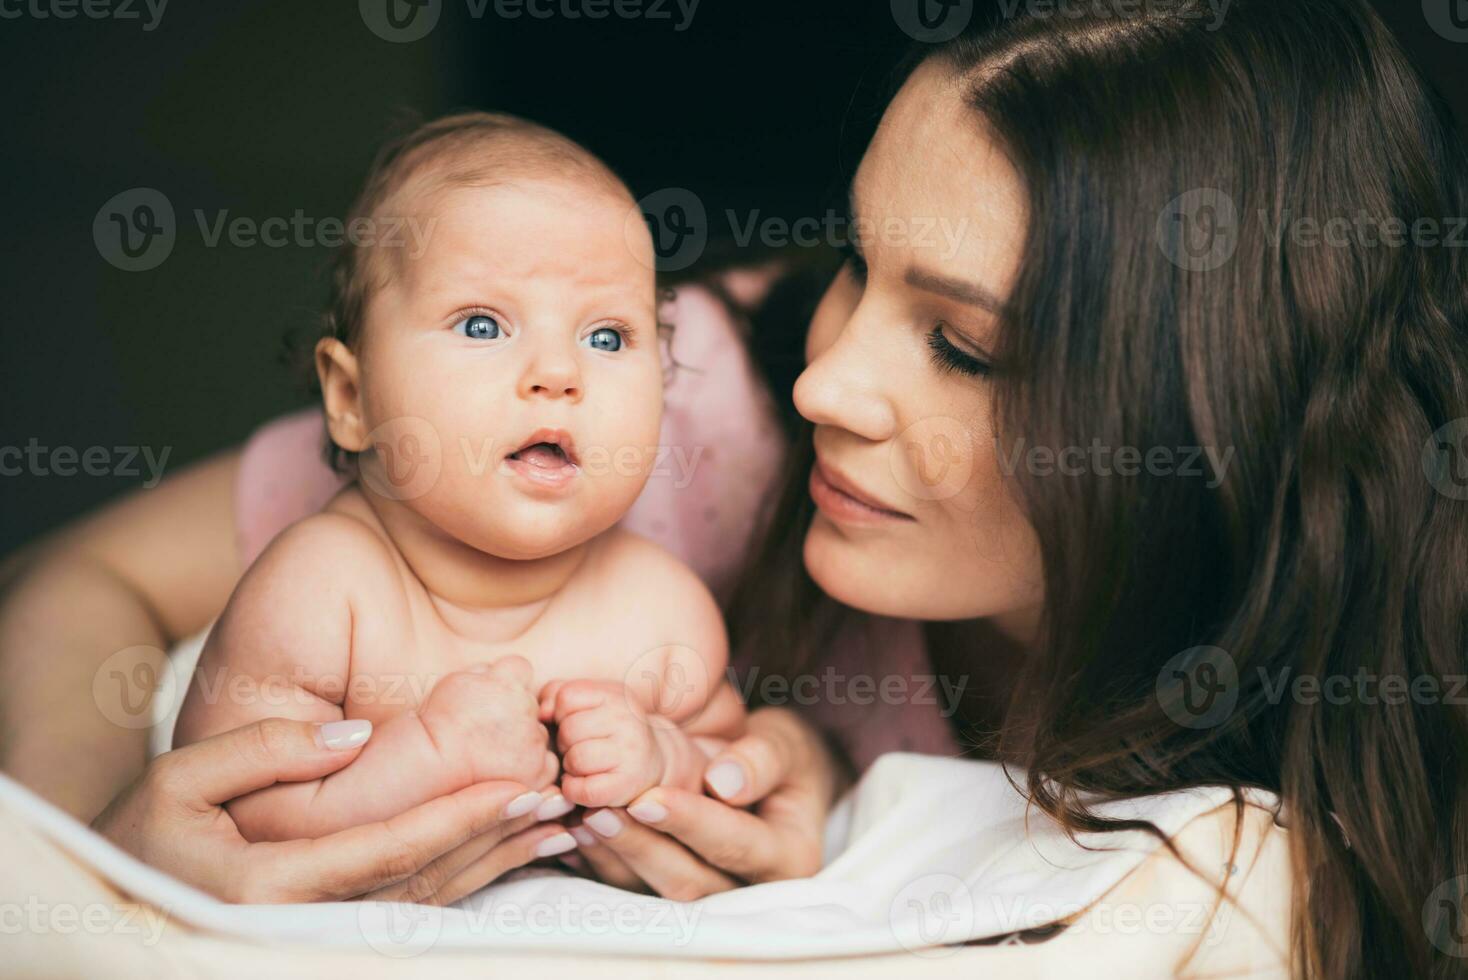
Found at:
(648, 589)
(323, 562)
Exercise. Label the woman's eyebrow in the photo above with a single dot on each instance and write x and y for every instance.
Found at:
(968, 293)
(962, 291)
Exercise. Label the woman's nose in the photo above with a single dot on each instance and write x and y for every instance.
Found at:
(844, 387)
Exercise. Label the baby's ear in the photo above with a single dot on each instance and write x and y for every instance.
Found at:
(336, 367)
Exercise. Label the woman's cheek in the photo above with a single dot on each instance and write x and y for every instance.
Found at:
(933, 461)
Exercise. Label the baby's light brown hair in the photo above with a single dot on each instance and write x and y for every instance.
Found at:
(464, 149)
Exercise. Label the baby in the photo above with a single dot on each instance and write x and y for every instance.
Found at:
(500, 391)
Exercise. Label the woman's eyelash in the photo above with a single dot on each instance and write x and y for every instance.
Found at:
(947, 356)
(950, 358)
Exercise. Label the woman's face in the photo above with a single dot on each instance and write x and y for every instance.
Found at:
(914, 517)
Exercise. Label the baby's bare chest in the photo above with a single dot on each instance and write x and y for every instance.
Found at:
(403, 649)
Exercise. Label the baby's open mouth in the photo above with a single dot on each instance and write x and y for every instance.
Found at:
(543, 455)
(547, 452)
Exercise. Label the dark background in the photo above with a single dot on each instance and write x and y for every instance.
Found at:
(274, 106)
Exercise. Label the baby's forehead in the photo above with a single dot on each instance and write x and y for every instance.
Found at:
(515, 159)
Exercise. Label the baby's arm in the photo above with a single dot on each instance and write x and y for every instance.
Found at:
(283, 648)
(674, 708)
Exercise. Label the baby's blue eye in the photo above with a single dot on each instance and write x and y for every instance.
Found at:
(605, 339)
(478, 327)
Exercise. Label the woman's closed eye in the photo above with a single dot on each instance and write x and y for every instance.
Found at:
(953, 356)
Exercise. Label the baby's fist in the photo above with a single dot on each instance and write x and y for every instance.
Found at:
(609, 752)
(485, 723)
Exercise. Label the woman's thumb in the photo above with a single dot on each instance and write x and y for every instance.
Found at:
(260, 754)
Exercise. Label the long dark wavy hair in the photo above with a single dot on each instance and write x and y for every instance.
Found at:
(1158, 305)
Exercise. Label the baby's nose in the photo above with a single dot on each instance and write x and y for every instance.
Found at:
(552, 375)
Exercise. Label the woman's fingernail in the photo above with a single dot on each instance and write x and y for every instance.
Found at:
(521, 805)
(343, 734)
(583, 836)
(604, 822)
(726, 779)
(648, 811)
(555, 844)
(556, 806)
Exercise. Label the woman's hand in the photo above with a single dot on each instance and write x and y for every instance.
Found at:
(172, 817)
(684, 845)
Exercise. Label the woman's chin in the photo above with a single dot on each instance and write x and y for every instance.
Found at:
(852, 574)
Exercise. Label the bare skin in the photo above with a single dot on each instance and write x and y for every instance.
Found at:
(503, 395)
(455, 704)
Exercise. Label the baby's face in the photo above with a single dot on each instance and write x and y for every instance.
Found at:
(523, 341)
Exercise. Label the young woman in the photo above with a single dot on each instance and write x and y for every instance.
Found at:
(999, 436)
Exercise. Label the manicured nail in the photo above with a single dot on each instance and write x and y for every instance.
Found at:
(726, 779)
(343, 734)
(556, 806)
(604, 822)
(648, 811)
(583, 836)
(521, 805)
(556, 844)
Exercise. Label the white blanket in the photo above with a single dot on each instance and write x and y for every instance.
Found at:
(924, 852)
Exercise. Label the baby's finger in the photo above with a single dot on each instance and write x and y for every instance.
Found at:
(582, 726)
(602, 789)
(548, 694)
(591, 757)
(549, 770)
(576, 696)
(515, 669)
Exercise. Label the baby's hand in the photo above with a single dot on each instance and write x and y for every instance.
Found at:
(484, 722)
(609, 750)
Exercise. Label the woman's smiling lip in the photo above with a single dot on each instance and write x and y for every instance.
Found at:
(842, 501)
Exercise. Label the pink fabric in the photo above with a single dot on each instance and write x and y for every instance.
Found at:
(720, 457)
